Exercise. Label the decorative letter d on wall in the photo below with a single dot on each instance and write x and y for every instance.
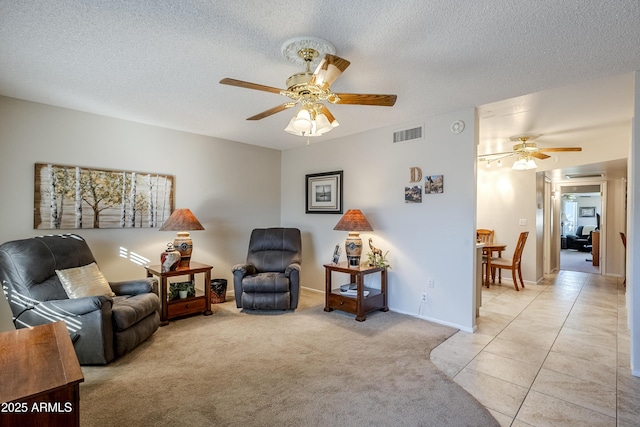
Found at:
(416, 174)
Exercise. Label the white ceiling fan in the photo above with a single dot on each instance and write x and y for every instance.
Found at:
(526, 151)
(309, 90)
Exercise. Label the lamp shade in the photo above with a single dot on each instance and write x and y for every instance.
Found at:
(353, 220)
(182, 220)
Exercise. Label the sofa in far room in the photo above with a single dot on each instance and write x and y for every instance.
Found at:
(581, 241)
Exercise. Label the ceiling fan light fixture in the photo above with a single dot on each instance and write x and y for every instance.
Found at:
(520, 164)
(302, 121)
(309, 123)
(524, 163)
(323, 125)
(311, 90)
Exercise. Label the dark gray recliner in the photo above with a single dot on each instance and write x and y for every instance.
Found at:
(101, 327)
(270, 279)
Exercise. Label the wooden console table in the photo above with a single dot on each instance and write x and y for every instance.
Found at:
(182, 307)
(40, 377)
(359, 305)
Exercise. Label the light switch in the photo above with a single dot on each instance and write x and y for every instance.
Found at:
(523, 222)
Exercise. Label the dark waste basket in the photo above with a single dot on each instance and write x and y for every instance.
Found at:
(218, 290)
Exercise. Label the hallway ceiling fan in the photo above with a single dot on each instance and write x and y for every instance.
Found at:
(309, 90)
(525, 150)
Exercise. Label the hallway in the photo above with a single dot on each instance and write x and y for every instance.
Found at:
(554, 354)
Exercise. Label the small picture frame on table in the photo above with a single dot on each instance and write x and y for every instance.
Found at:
(324, 192)
(336, 254)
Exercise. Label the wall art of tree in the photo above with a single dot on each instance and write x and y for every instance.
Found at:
(71, 197)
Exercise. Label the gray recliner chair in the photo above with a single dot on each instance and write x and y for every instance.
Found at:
(270, 279)
(101, 327)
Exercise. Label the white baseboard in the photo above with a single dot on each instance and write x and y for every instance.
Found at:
(438, 321)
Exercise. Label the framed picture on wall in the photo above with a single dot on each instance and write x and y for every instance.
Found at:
(588, 211)
(76, 197)
(324, 192)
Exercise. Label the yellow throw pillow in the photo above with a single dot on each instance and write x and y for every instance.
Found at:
(85, 281)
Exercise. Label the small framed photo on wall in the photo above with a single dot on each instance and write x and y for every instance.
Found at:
(586, 212)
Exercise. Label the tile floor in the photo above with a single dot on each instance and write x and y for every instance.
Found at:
(553, 354)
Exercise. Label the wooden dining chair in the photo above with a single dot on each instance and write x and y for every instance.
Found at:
(514, 264)
(484, 235)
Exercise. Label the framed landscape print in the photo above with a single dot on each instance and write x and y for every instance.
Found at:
(324, 192)
(74, 197)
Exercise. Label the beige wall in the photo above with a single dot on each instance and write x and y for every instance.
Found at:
(230, 187)
(435, 238)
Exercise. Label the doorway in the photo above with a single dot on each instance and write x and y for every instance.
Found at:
(581, 211)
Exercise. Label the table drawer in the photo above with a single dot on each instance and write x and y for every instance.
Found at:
(189, 306)
(339, 302)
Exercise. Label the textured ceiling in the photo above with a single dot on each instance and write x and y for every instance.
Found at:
(160, 61)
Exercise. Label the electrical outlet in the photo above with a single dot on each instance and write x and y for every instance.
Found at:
(429, 282)
(522, 222)
(424, 296)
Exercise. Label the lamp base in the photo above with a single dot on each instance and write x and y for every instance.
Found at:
(184, 245)
(353, 261)
(353, 248)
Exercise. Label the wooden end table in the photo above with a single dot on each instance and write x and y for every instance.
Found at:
(40, 377)
(181, 307)
(359, 305)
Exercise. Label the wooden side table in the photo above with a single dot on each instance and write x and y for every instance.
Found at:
(595, 248)
(182, 307)
(360, 305)
(40, 377)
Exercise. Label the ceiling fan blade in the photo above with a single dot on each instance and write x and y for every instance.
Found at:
(328, 70)
(539, 155)
(248, 85)
(549, 150)
(367, 99)
(270, 112)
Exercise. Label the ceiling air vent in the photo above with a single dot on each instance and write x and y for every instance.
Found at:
(585, 175)
(408, 134)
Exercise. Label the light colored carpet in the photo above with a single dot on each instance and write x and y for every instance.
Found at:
(302, 368)
(573, 260)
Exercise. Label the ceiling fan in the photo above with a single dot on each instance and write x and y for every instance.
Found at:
(526, 151)
(309, 90)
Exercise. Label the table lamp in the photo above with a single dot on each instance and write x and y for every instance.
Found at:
(182, 221)
(353, 221)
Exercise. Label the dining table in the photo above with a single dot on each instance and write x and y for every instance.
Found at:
(488, 250)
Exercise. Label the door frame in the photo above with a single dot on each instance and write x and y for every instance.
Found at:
(552, 228)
